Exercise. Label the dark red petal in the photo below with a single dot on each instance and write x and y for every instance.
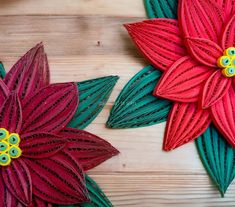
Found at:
(185, 123)
(159, 40)
(223, 114)
(204, 51)
(6, 198)
(215, 88)
(11, 114)
(228, 6)
(183, 81)
(228, 37)
(87, 148)
(4, 92)
(41, 145)
(37, 202)
(30, 73)
(18, 180)
(58, 179)
(201, 19)
(50, 109)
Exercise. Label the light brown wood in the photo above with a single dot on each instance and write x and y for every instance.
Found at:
(85, 39)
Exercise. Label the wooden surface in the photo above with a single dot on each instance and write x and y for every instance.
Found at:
(85, 39)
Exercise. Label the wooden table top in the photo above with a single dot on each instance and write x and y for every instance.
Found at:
(85, 39)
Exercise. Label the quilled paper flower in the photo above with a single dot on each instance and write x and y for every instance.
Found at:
(197, 56)
(42, 161)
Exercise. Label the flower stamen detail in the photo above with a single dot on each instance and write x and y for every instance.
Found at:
(227, 62)
(9, 147)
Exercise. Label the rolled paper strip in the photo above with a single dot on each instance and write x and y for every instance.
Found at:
(4, 146)
(233, 61)
(230, 51)
(3, 133)
(15, 152)
(14, 139)
(5, 159)
(224, 61)
(229, 71)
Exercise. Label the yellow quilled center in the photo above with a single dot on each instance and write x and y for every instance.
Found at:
(9, 147)
(227, 62)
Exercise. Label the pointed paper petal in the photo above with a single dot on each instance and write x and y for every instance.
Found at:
(228, 37)
(87, 148)
(185, 123)
(93, 95)
(40, 145)
(223, 114)
(18, 180)
(201, 19)
(161, 8)
(159, 40)
(228, 6)
(10, 114)
(50, 109)
(133, 108)
(204, 51)
(7, 200)
(4, 92)
(30, 73)
(37, 202)
(58, 179)
(215, 88)
(183, 81)
(218, 158)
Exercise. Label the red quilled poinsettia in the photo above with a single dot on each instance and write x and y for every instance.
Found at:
(42, 161)
(197, 56)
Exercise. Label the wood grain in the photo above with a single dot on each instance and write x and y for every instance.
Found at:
(85, 39)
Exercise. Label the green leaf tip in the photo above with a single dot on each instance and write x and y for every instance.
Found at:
(136, 106)
(218, 158)
(93, 95)
(161, 8)
(2, 70)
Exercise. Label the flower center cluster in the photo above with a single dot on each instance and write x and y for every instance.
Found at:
(9, 147)
(227, 62)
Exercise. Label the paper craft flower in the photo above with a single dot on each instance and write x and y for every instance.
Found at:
(42, 161)
(197, 56)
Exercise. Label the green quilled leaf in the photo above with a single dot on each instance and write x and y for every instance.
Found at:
(217, 157)
(136, 106)
(93, 95)
(161, 8)
(97, 196)
(2, 71)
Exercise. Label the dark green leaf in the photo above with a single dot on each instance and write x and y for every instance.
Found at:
(136, 106)
(93, 95)
(218, 158)
(2, 71)
(97, 196)
(161, 8)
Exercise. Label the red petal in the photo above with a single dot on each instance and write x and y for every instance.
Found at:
(224, 116)
(204, 51)
(30, 73)
(10, 114)
(185, 123)
(87, 148)
(7, 200)
(4, 92)
(58, 179)
(18, 181)
(228, 37)
(40, 203)
(201, 18)
(40, 145)
(183, 81)
(215, 88)
(50, 109)
(159, 40)
(228, 6)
